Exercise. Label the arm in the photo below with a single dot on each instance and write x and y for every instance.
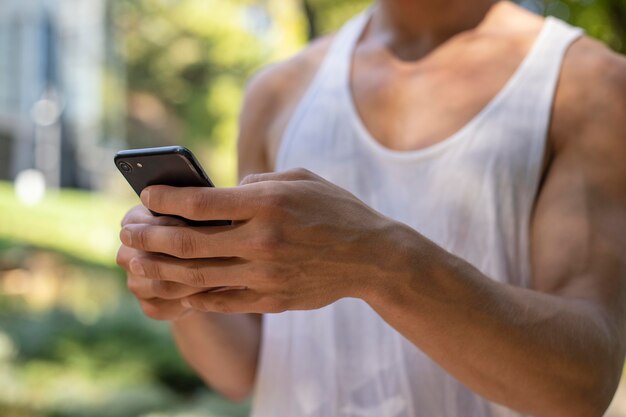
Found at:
(233, 338)
(556, 349)
(222, 349)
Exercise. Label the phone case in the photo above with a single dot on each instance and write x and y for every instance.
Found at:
(175, 166)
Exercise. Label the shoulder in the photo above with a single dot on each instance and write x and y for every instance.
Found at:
(271, 95)
(591, 96)
(275, 79)
(276, 85)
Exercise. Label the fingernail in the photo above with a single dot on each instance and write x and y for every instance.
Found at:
(145, 197)
(136, 267)
(185, 302)
(126, 237)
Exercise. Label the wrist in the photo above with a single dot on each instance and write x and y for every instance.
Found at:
(401, 258)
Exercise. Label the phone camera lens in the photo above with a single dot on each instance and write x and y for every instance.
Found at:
(125, 167)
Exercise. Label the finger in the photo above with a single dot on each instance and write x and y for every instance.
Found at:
(202, 203)
(289, 175)
(164, 309)
(227, 302)
(134, 214)
(185, 242)
(124, 255)
(204, 273)
(148, 288)
(141, 215)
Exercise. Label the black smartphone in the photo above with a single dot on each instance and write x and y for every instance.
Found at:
(169, 165)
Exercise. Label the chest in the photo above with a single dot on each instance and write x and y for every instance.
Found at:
(413, 105)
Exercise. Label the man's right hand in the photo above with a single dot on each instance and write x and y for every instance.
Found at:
(159, 299)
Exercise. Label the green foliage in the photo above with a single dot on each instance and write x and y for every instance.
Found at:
(192, 59)
(602, 19)
(57, 361)
(328, 15)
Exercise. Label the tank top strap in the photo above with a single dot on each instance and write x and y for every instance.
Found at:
(338, 59)
(328, 81)
(529, 104)
(542, 67)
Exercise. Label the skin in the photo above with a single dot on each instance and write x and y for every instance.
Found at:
(555, 349)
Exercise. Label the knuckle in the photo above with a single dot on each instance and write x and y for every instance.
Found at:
(196, 277)
(153, 270)
(141, 236)
(199, 203)
(184, 245)
(163, 289)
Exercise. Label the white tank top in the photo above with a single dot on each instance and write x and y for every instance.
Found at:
(472, 194)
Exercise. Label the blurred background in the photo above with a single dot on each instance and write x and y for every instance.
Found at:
(80, 79)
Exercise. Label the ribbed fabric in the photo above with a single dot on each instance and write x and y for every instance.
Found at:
(472, 194)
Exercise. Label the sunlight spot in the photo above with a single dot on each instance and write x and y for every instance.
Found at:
(30, 186)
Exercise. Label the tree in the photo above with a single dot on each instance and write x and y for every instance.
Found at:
(187, 63)
(603, 19)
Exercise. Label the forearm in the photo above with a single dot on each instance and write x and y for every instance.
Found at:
(534, 352)
(223, 349)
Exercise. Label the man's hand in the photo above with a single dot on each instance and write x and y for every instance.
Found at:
(159, 300)
(297, 242)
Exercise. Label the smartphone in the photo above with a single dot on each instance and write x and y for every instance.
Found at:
(169, 165)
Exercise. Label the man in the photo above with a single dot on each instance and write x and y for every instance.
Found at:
(464, 254)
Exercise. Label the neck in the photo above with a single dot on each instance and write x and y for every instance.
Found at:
(412, 28)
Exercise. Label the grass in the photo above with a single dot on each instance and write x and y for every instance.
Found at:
(80, 223)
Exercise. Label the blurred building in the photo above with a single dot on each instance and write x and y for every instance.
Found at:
(61, 90)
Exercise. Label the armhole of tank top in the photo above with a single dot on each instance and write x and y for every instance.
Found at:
(302, 106)
(541, 137)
